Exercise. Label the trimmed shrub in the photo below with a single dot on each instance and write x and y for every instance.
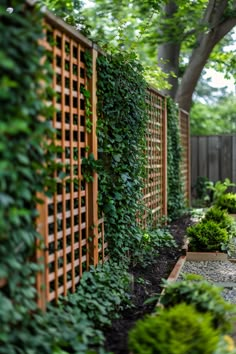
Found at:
(195, 290)
(178, 330)
(221, 217)
(207, 236)
(227, 202)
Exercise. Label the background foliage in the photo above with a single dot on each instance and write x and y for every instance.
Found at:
(216, 118)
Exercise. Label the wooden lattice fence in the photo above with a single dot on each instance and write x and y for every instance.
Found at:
(73, 232)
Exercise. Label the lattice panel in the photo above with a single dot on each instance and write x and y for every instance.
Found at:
(67, 255)
(185, 164)
(154, 183)
(73, 234)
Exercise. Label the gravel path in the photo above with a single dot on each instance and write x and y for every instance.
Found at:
(222, 273)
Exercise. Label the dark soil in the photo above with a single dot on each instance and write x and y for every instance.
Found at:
(147, 283)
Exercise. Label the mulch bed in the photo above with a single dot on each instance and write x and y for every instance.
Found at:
(147, 282)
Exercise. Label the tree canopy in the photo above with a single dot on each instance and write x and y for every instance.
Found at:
(181, 37)
(218, 118)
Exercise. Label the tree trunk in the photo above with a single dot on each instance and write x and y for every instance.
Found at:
(198, 60)
(168, 53)
(168, 60)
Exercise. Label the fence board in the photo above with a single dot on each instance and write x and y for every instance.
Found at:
(194, 161)
(213, 157)
(226, 156)
(234, 159)
(202, 148)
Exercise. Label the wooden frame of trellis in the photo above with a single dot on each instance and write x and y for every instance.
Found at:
(184, 124)
(72, 232)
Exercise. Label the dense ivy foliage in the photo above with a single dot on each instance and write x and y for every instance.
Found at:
(176, 202)
(24, 162)
(121, 140)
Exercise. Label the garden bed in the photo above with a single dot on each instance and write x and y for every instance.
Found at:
(147, 282)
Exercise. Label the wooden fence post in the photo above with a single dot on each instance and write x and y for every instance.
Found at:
(164, 158)
(93, 186)
(189, 163)
(40, 255)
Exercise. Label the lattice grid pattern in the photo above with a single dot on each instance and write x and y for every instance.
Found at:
(185, 144)
(67, 222)
(154, 194)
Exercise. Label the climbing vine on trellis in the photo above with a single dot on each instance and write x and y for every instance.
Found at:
(122, 119)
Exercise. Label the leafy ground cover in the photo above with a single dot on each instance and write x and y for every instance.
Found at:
(146, 282)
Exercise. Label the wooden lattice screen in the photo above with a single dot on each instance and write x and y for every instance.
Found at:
(73, 234)
(69, 223)
(185, 143)
(154, 193)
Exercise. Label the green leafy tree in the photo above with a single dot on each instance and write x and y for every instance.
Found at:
(70, 11)
(218, 118)
(185, 36)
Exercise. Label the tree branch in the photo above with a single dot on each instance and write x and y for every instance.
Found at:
(224, 27)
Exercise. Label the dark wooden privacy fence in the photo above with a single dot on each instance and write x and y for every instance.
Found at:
(69, 222)
(213, 157)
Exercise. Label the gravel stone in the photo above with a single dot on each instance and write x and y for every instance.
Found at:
(221, 273)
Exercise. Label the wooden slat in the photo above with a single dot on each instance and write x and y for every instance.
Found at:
(72, 208)
(40, 256)
(93, 187)
(185, 144)
(234, 158)
(202, 156)
(213, 153)
(225, 157)
(164, 161)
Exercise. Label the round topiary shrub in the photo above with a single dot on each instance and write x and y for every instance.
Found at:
(195, 290)
(178, 330)
(207, 236)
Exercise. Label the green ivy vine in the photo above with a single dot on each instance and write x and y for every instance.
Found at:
(176, 203)
(122, 118)
(26, 164)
